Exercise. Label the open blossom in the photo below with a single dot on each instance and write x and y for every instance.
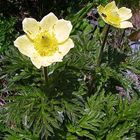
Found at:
(115, 16)
(45, 42)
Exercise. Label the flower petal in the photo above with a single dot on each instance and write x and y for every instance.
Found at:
(45, 61)
(126, 24)
(48, 22)
(100, 9)
(24, 45)
(124, 13)
(110, 7)
(62, 30)
(36, 60)
(57, 57)
(109, 17)
(113, 18)
(31, 27)
(66, 46)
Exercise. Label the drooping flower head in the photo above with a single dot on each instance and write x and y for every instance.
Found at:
(114, 16)
(45, 42)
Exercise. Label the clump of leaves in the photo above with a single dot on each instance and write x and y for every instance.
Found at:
(80, 100)
(7, 33)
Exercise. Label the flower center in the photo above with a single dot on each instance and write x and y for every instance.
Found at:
(45, 43)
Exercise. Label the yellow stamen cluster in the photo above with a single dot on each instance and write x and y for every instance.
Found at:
(45, 43)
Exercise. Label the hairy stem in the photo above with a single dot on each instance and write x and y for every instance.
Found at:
(102, 47)
(45, 74)
(99, 58)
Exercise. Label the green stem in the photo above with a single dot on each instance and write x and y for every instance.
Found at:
(45, 74)
(99, 58)
(102, 47)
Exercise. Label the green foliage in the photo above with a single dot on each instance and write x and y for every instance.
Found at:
(35, 112)
(107, 117)
(20, 134)
(7, 32)
(80, 100)
(31, 109)
(18, 69)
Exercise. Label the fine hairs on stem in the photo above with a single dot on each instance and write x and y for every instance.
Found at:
(45, 74)
(102, 47)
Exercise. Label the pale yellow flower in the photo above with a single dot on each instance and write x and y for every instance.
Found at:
(114, 16)
(45, 42)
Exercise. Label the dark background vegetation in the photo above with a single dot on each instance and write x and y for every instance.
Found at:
(83, 101)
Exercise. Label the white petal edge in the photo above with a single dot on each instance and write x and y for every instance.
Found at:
(31, 27)
(66, 46)
(35, 58)
(24, 45)
(56, 57)
(124, 13)
(45, 61)
(126, 24)
(48, 22)
(62, 30)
